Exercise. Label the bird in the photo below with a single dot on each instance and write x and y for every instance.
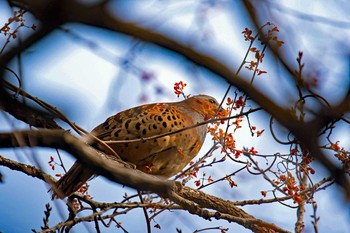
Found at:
(164, 156)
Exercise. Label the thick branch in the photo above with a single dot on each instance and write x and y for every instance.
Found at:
(228, 208)
(26, 114)
(111, 169)
(194, 201)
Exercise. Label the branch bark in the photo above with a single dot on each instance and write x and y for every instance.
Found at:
(27, 169)
(194, 201)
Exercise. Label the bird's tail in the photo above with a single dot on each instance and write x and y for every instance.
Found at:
(72, 180)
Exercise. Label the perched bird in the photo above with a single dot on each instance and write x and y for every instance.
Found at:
(164, 156)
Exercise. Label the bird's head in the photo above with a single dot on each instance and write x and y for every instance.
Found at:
(207, 105)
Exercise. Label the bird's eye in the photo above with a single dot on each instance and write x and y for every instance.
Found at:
(212, 101)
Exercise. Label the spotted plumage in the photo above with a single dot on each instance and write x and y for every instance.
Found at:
(164, 156)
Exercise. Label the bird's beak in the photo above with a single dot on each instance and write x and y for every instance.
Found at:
(220, 110)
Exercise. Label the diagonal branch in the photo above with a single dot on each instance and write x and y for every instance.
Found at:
(109, 168)
(194, 201)
(27, 169)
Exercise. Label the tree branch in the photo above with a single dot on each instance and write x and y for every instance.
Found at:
(192, 200)
(27, 169)
(103, 165)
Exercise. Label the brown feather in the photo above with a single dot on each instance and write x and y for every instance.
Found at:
(165, 156)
